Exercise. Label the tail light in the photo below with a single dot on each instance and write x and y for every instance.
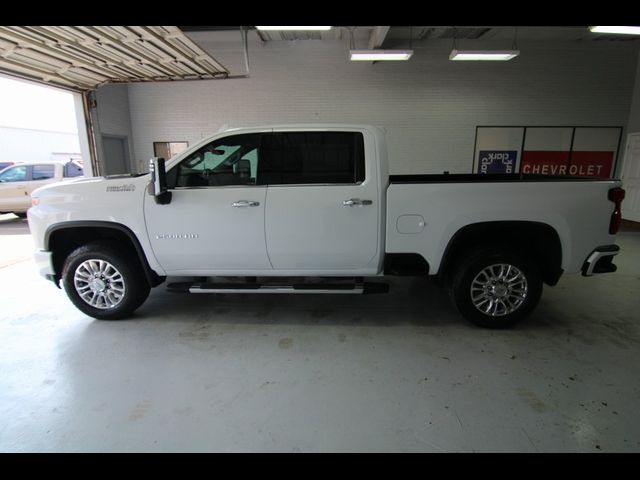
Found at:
(616, 195)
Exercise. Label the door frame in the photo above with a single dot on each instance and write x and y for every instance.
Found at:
(127, 150)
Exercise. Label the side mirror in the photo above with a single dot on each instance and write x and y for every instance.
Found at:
(158, 184)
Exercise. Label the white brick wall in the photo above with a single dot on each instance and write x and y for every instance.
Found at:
(429, 105)
(634, 115)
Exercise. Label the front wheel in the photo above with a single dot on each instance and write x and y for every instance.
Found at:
(495, 287)
(104, 282)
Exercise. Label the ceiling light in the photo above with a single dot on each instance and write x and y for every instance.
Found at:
(293, 28)
(625, 30)
(379, 55)
(495, 55)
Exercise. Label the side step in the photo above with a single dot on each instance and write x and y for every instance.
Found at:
(343, 288)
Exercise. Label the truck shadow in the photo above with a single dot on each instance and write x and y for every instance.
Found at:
(412, 301)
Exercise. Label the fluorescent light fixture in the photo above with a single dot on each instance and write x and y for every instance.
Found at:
(625, 30)
(379, 55)
(490, 55)
(293, 28)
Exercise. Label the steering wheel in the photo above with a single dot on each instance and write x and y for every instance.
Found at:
(210, 176)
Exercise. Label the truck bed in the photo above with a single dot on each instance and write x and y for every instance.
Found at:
(425, 211)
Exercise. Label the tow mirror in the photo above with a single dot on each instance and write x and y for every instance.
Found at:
(158, 184)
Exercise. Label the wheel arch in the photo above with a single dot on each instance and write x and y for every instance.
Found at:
(537, 239)
(62, 238)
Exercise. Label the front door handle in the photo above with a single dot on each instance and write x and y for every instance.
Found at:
(356, 202)
(245, 203)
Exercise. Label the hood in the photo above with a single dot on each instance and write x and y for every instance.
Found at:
(112, 183)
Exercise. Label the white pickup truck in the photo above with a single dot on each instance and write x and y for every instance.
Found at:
(19, 181)
(312, 209)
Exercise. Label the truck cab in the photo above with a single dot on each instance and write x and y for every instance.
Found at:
(274, 202)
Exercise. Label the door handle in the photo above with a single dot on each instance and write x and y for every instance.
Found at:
(245, 203)
(356, 202)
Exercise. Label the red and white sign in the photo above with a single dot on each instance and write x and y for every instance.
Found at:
(553, 151)
(574, 164)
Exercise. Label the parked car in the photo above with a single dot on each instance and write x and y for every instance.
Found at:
(18, 181)
(317, 202)
(4, 165)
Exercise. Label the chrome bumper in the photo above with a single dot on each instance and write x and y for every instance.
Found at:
(599, 261)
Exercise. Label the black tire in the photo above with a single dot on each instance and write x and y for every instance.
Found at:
(135, 290)
(501, 304)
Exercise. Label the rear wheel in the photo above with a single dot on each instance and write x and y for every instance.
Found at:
(495, 287)
(104, 282)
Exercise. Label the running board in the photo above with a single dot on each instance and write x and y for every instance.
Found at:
(343, 288)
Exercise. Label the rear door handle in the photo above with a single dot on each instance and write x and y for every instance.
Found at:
(245, 203)
(356, 202)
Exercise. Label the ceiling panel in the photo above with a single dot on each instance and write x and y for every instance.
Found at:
(85, 57)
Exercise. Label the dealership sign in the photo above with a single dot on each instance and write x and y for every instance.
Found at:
(497, 161)
(555, 151)
(574, 164)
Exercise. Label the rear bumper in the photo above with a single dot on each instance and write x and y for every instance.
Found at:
(600, 260)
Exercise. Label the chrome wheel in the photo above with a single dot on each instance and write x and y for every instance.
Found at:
(499, 289)
(99, 284)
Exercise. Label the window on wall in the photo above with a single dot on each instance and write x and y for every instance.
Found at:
(312, 158)
(168, 150)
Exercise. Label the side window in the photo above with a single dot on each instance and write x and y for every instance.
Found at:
(312, 158)
(227, 161)
(72, 170)
(42, 172)
(15, 174)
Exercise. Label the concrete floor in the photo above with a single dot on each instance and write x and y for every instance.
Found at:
(396, 372)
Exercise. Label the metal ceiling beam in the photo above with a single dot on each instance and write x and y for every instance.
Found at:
(378, 35)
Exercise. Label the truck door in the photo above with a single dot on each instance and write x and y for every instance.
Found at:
(14, 192)
(214, 223)
(322, 202)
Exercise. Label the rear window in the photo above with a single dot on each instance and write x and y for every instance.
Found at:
(312, 158)
(42, 172)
